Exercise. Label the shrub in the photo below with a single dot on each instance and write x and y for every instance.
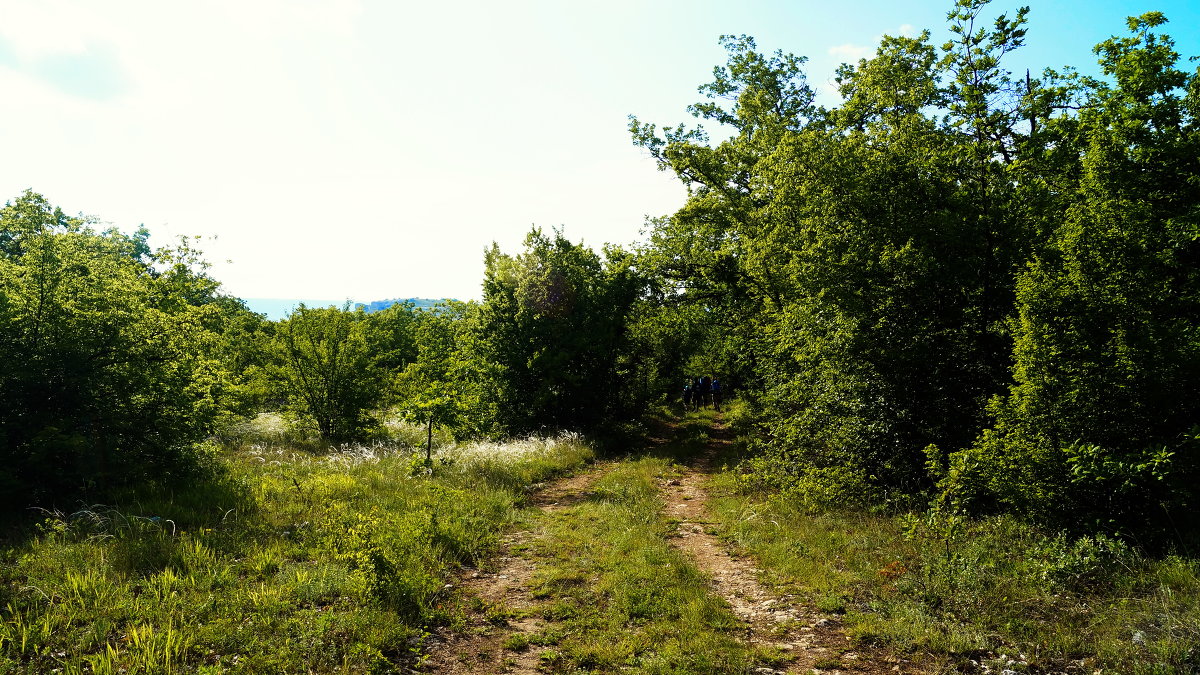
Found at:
(109, 348)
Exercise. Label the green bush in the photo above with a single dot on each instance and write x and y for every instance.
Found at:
(112, 361)
(549, 335)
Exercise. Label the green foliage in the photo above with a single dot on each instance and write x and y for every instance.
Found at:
(1098, 426)
(549, 332)
(111, 353)
(846, 250)
(439, 386)
(952, 257)
(329, 364)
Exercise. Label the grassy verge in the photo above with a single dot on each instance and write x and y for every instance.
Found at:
(620, 597)
(283, 562)
(975, 593)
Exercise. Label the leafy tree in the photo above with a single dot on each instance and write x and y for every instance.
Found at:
(893, 263)
(437, 387)
(548, 333)
(848, 252)
(1099, 423)
(110, 370)
(393, 335)
(328, 371)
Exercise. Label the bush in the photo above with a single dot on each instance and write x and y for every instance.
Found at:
(109, 375)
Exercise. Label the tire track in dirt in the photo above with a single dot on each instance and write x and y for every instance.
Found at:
(498, 601)
(817, 643)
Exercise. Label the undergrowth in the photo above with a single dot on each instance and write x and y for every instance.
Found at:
(285, 561)
(993, 593)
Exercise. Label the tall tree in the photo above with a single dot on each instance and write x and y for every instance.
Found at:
(1099, 425)
(549, 332)
(328, 370)
(854, 246)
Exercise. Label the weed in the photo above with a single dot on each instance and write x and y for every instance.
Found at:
(517, 642)
(833, 603)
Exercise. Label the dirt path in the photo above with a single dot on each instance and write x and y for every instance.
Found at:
(816, 642)
(500, 608)
(501, 616)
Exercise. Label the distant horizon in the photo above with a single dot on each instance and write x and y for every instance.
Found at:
(278, 308)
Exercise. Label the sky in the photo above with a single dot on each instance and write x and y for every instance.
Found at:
(371, 149)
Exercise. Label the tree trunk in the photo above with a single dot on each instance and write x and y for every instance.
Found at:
(429, 443)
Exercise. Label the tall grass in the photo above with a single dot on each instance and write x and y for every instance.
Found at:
(285, 561)
(992, 592)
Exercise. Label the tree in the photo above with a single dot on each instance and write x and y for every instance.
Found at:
(327, 369)
(548, 333)
(846, 251)
(1099, 424)
(110, 371)
(436, 388)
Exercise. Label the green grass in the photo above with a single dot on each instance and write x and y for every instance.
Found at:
(996, 591)
(284, 562)
(622, 597)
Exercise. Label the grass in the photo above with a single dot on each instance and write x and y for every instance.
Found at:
(992, 592)
(623, 599)
(338, 561)
(286, 561)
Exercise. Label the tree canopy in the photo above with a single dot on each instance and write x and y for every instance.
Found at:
(958, 281)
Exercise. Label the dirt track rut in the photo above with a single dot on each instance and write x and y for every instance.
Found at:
(499, 605)
(812, 639)
(504, 604)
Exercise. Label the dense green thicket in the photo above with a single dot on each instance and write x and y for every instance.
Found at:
(549, 347)
(955, 282)
(119, 360)
(109, 350)
(330, 365)
(550, 333)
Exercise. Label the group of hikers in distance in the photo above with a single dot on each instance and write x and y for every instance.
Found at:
(702, 391)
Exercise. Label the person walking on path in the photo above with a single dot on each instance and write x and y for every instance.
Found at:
(716, 394)
(703, 388)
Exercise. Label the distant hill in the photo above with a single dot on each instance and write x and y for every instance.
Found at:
(419, 303)
(278, 308)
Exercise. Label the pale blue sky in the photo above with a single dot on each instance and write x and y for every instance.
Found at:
(371, 149)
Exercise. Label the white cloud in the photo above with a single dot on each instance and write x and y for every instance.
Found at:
(37, 29)
(851, 52)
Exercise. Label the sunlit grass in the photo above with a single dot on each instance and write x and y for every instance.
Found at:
(623, 598)
(288, 560)
(996, 592)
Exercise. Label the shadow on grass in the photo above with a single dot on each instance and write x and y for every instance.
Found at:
(205, 498)
(700, 440)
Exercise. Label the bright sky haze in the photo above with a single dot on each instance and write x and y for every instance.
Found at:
(371, 149)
